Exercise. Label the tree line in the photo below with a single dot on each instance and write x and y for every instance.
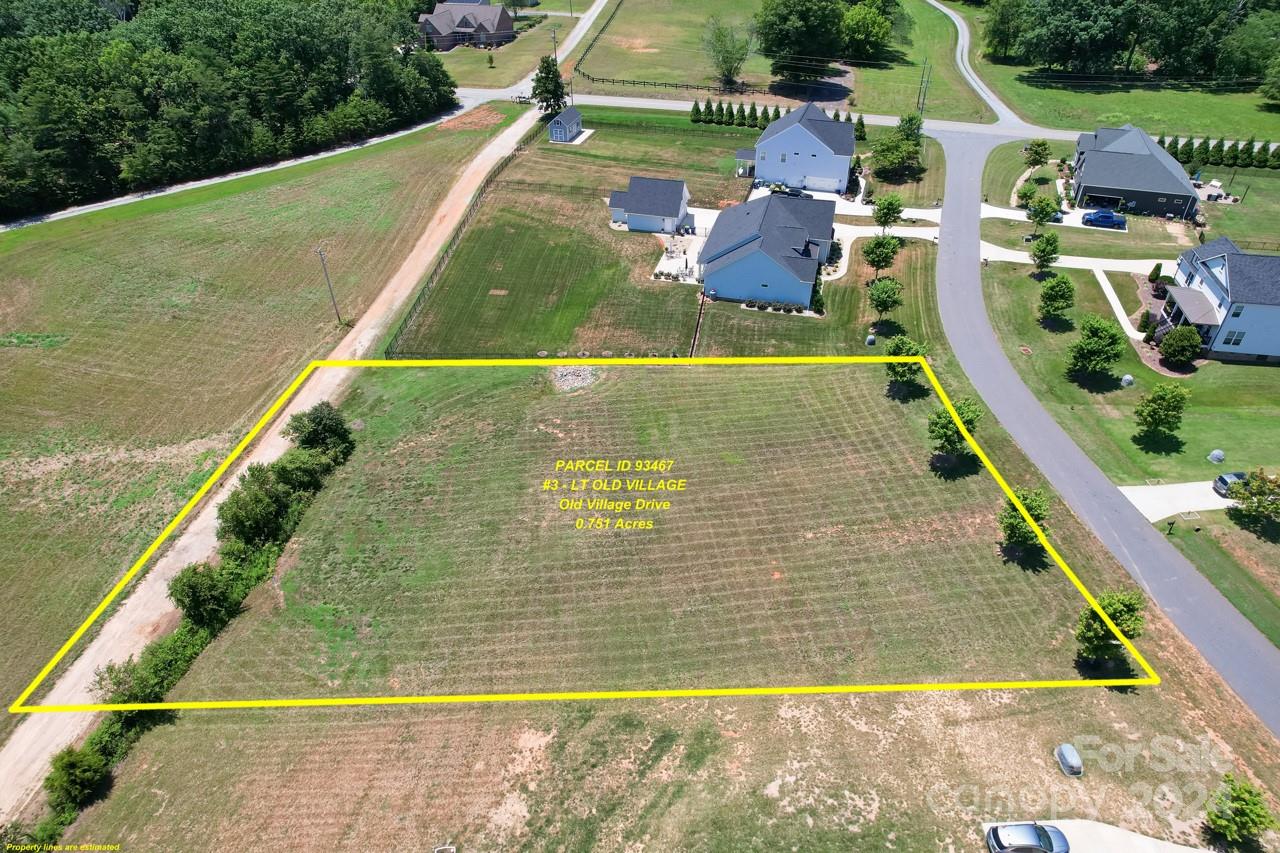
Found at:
(1223, 39)
(100, 97)
(1221, 153)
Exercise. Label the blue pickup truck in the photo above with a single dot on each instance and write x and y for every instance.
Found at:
(1104, 219)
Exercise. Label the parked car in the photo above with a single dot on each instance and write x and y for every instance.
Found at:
(1223, 482)
(1057, 216)
(1026, 838)
(1105, 219)
(793, 193)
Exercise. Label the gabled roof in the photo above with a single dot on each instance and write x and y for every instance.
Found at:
(836, 135)
(1252, 279)
(568, 115)
(1127, 158)
(650, 197)
(783, 227)
(452, 17)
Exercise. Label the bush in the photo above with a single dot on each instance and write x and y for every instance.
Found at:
(1026, 192)
(1099, 347)
(1181, 346)
(903, 371)
(255, 512)
(1018, 534)
(1159, 412)
(204, 595)
(947, 438)
(1154, 275)
(1239, 812)
(1096, 640)
(77, 775)
(322, 427)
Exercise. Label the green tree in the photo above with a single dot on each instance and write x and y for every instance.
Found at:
(1216, 153)
(708, 112)
(1018, 534)
(1239, 811)
(322, 427)
(897, 156)
(1100, 345)
(1154, 275)
(763, 121)
(695, 113)
(719, 112)
(903, 372)
(77, 775)
(885, 294)
(777, 114)
(1172, 147)
(1202, 150)
(1057, 296)
(1230, 154)
(864, 32)
(1096, 641)
(860, 129)
(1273, 159)
(879, 252)
(548, 87)
(1261, 157)
(1037, 153)
(1041, 211)
(1258, 497)
(203, 595)
(255, 512)
(753, 115)
(910, 127)
(800, 36)
(1005, 22)
(1159, 412)
(1078, 35)
(1244, 158)
(1186, 151)
(1181, 346)
(1044, 251)
(887, 211)
(946, 436)
(1025, 193)
(727, 47)
(740, 117)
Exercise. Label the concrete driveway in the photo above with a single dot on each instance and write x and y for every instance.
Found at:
(1157, 502)
(1090, 836)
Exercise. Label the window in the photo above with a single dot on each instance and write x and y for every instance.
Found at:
(783, 158)
(813, 155)
(763, 156)
(1237, 310)
(764, 285)
(1233, 339)
(1162, 198)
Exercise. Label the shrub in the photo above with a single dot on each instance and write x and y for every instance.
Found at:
(204, 595)
(255, 512)
(1057, 296)
(1159, 412)
(1154, 275)
(1026, 192)
(1239, 811)
(1096, 640)
(1044, 250)
(322, 427)
(947, 438)
(77, 775)
(885, 294)
(903, 371)
(1181, 346)
(1018, 534)
(1099, 347)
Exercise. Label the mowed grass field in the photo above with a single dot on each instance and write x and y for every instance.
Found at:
(1257, 217)
(1005, 164)
(1193, 110)
(176, 319)
(813, 545)
(813, 772)
(469, 66)
(1233, 406)
(925, 190)
(1146, 237)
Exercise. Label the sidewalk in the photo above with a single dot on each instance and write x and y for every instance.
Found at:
(1168, 499)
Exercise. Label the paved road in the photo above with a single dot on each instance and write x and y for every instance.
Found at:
(1246, 659)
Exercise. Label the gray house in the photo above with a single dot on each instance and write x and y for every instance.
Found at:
(473, 23)
(769, 249)
(1124, 168)
(566, 126)
(1231, 297)
(651, 204)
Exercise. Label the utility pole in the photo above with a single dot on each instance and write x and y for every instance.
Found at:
(320, 250)
(554, 47)
(926, 74)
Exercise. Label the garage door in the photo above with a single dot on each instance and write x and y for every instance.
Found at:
(826, 184)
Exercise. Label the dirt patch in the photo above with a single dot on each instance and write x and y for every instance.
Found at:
(477, 119)
(573, 378)
(497, 292)
(1178, 232)
(634, 45)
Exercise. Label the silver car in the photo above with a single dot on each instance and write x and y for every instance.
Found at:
(1026, 838)
(1223, 483)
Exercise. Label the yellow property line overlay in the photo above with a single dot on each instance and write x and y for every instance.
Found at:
(19, 705)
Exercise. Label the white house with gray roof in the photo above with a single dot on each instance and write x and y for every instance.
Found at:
(475, 23)
(1231, 297)
(768, 249)
(805, 148)
(1123, 168)
(650, 204)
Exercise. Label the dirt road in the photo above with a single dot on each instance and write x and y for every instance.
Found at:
(147, 612)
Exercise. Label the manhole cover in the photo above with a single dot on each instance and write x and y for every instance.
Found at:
(1025, 350)
(542, 353)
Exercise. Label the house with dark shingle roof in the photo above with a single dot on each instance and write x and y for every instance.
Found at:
(650, 204)
(769, 249)
(1123, 168)
(474, 23)
(805, 148)
(1232, 298)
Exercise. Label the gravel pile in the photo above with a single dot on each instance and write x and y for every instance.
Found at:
(572, 378)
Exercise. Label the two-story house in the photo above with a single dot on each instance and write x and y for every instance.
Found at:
(1231, 297)
(806, 149)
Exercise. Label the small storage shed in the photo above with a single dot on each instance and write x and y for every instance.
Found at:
(651, 204)
(566, 126)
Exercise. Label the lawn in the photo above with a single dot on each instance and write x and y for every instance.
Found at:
(1146, 238)
(511, 62)
(1005, 166)
(1257, 218)
(178, 318)
(1233, 406)
(928, 188)
(1193, 110)
(1243, 566)
(660, 40)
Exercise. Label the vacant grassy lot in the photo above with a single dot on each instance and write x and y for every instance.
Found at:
(1005, 165)
(1193, 110)
(730, 329)
(1233, 406)
(511, 62)
(814, 773)
(177, 319)
(1257, 218)
(1146, 238)
(1245, 567)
